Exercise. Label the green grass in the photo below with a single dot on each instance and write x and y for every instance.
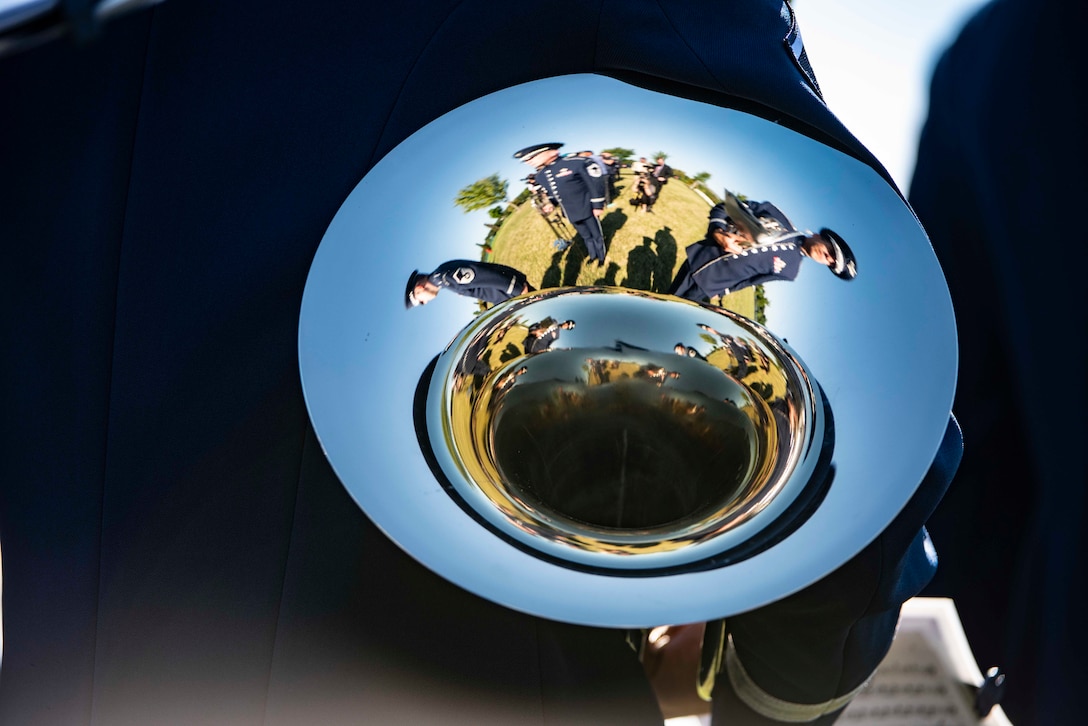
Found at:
(644, 250)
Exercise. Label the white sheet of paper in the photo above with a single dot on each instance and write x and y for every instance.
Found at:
(920, 681)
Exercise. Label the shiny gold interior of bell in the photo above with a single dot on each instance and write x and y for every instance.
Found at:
(618, 449)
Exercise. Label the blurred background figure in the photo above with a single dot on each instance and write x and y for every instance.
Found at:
(612, 173)
(661, 173)
(1000, 160)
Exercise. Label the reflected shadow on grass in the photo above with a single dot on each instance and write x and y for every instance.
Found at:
(649, 267)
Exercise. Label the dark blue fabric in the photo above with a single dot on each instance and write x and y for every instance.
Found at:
(709, 271)
(482, 280)
(716, 273)
(176, 548)
(826, 639)
(1000, 169)
(571, 183)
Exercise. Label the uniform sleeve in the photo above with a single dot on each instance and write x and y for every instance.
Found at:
(595, 181)
(804, 657)
(713, 270)
(495, 283)
(730, 273)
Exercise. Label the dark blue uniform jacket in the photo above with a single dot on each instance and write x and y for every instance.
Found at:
(717, 273)
(576, 183)
(482, 280)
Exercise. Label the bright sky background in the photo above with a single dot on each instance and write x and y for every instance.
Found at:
(873, 60)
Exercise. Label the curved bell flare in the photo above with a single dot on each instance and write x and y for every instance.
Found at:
(620, 380)
(628, 440)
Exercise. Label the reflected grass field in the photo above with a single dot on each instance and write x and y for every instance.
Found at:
(644, 250)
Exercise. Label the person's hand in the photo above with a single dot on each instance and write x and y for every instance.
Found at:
(547, 209)
(730, 244)
(733, 242)
(598, 213)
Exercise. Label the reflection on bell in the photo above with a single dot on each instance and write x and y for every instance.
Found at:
(625, 450)
(597, 452)
(611, 444)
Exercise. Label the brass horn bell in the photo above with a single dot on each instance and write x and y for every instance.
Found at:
(624, 444)
(623, 447)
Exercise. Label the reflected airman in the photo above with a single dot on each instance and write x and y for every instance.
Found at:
(749, 244)
(484, 281)
(577, 184)
(541, 336)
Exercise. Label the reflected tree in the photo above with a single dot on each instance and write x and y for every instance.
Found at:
(622, 154)
(482, 193)
(762, 303)
(701, 178)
